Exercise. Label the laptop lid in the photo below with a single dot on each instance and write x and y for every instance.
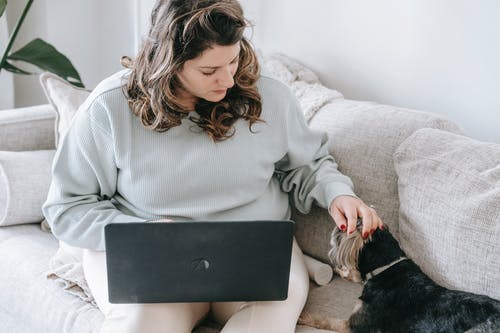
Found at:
(203, 261)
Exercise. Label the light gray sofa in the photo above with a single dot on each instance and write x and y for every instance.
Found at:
(437, 191)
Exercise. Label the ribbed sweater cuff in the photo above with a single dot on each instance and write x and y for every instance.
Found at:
(336, 189)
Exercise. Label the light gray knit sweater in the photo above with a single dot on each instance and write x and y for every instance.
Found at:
(109, 168)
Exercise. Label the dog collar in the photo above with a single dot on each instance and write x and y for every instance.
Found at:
(379, 270)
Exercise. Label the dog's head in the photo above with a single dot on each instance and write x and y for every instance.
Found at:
(344, 253)
(353, 257)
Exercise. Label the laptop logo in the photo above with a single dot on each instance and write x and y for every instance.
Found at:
(200, 264)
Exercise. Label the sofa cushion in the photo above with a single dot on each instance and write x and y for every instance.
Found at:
(449, 189)
(30, 128)
(65, 99)
(24, 184)
(335, 300)
(38, 304)
(363, 138)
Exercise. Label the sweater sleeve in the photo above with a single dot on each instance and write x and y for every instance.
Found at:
(84, 177)
(308, 172)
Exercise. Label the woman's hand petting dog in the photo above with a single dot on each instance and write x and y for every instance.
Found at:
(346, 210)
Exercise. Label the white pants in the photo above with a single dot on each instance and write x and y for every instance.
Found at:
(237, 317)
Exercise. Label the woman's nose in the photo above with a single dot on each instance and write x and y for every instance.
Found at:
(226, 77)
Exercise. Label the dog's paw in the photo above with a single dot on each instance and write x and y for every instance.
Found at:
(348, 274)
(342, 271)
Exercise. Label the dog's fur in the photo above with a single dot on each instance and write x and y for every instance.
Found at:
(400, 298)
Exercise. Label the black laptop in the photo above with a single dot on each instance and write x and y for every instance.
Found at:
(202, 261)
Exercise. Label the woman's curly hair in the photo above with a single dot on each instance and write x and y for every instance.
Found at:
(180, 31)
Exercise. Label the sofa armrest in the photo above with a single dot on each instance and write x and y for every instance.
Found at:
(30, 128)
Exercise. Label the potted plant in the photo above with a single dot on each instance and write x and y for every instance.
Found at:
(37, 52)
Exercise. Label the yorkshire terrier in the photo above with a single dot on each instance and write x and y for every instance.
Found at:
(397, 296)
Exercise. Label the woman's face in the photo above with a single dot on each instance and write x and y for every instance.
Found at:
(210, 75)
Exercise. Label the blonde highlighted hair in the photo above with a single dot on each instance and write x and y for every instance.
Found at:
(180, 31)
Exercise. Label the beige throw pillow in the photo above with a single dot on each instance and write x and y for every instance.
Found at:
(449, 190)
(65, 98)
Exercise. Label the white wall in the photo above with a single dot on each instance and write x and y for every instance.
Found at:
(93, 34)
(144, 8)
(439, 56)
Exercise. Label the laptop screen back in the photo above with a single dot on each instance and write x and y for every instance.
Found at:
(198, 261)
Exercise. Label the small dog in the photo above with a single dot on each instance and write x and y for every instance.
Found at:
(397, 296)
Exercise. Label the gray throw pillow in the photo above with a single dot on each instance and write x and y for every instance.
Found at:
(24, 183)
(449, 190)
(363, 138)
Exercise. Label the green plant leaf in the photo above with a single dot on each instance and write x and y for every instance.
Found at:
(43, 55)
(11, 68)
(3, 4)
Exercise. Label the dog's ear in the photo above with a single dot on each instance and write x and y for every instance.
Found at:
(344, 253)
(335, 239)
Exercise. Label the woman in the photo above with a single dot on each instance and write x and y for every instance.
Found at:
(193, 132)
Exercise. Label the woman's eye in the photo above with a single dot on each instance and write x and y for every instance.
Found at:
(232, 63)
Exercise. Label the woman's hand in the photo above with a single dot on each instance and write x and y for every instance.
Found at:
(346, 210)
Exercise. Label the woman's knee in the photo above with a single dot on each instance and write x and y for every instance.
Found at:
(298, 288)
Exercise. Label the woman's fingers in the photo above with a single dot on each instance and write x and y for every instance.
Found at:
(346, 210)
(366, 215)
(352, 219)
(339, 219)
